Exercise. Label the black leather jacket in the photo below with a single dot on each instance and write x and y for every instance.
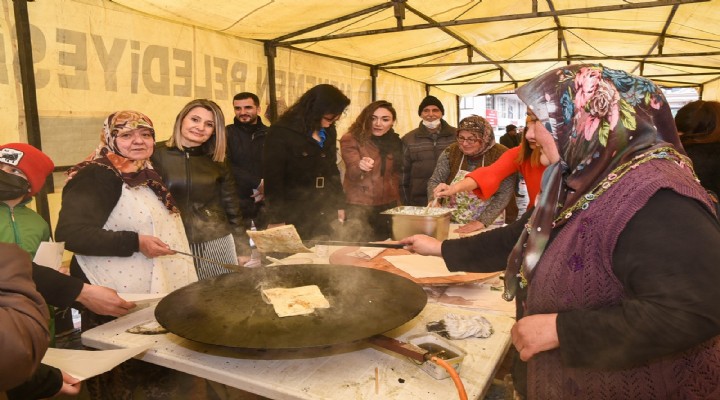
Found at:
(204, 191)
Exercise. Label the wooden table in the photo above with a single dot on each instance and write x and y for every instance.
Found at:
(340, 372)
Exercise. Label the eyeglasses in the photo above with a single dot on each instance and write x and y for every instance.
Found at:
(470, 140)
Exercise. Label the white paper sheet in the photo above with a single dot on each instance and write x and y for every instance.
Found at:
(421, 266)
(49, 254)
(487, 295)
(142, 300)
(84, 364)
(142, 297)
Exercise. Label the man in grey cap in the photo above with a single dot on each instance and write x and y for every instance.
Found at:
(421, 148)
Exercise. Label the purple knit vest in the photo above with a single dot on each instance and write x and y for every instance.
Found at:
(578, 275)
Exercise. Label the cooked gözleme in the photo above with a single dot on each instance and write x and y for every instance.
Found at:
(300, 300)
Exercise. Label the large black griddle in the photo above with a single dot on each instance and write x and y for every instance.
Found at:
(229, 310)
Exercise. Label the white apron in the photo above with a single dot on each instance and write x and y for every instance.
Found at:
(139, 210)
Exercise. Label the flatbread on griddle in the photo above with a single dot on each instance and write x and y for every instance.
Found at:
(300, 300)
(281, 239)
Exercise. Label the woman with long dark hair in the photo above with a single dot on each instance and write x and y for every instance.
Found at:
(372, 153)
(302, 180)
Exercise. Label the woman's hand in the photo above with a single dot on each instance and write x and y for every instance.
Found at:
(259, 193)
(341, 216)
(366, 164)
(464, 185)
(471, 226)
(104, 301)
(71, 386)
(444, 190)
(423, 245)
(535, 333)
(152, 247)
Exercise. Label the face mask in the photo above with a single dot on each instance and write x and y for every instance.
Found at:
(431, 124)
(12, 186)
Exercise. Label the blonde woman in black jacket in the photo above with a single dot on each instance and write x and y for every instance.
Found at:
(193, 166)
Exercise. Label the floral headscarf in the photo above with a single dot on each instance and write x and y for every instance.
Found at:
(481, 129)
(133, 172)
(604, 122)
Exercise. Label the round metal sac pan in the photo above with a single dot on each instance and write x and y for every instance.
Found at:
(229, 310)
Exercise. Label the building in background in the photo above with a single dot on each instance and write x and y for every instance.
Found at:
(498, 109)
(678, 97)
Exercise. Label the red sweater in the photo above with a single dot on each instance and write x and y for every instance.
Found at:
(489, 178)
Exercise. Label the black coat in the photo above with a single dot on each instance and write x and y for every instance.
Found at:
(302, 180)
(510, 141)
(245, 153)
(204, 191)
(88, 199)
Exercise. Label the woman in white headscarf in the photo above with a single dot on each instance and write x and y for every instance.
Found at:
(118, 217)
(121, 222)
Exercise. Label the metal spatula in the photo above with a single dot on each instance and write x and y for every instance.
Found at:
(232, 267)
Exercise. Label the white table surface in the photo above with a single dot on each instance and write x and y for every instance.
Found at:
(349, 374)
(341, 372)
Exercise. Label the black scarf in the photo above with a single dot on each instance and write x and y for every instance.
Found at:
(389, 143)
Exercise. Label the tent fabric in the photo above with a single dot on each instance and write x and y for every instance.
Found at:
(510, 42)
(92, 57)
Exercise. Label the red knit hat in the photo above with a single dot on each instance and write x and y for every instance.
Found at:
(35, 164)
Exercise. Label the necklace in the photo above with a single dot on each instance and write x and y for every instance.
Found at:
(613, 177)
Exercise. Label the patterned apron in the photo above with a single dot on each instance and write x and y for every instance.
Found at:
(468, 207)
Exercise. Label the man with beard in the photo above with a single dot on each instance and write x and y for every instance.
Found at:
(246, 138)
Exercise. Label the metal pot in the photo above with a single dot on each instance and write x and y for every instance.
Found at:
(229, 310)
(409, 220)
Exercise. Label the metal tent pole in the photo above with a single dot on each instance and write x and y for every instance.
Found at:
(271, 53)
(27, 76)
